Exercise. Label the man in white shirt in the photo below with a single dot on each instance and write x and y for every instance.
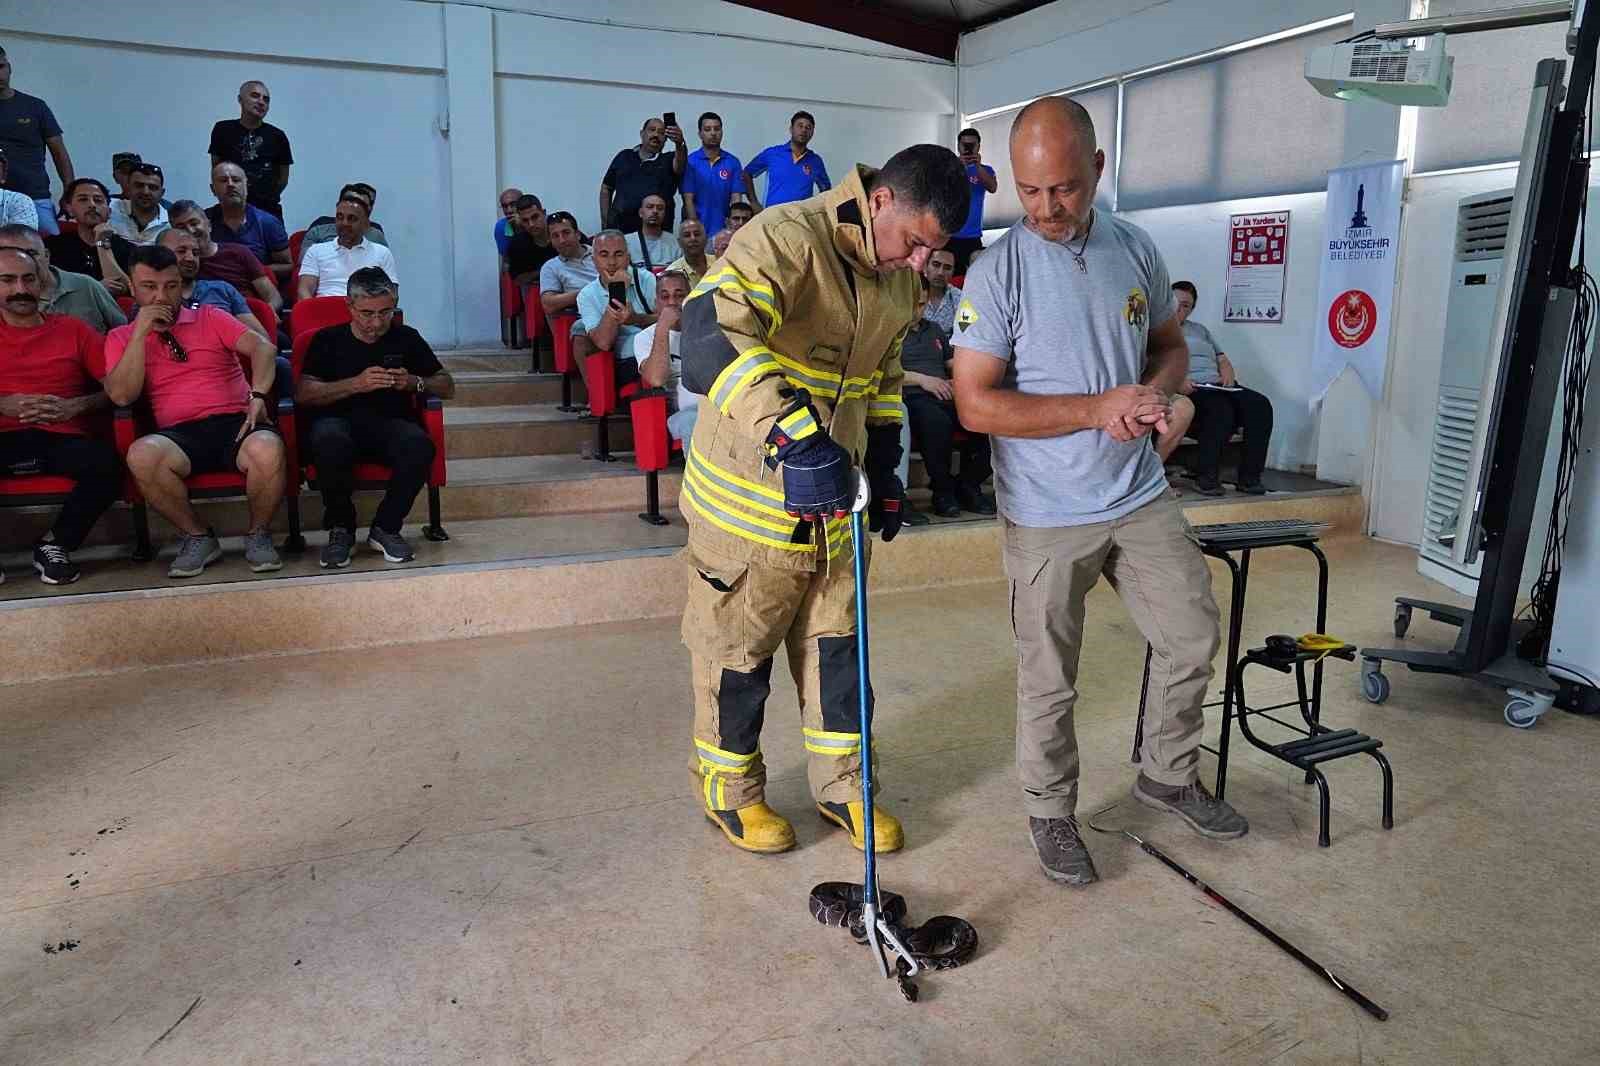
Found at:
(655, 349)
(325, 268)
(141, 218)
(15, 207)
(652, 246)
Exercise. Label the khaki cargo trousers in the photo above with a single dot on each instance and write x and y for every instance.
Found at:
(738, 615)
(1154, 564)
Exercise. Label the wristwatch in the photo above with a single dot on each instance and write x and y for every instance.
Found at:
(422, 385)
(263, 397)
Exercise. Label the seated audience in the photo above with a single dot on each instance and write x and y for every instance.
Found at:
(326, 268)
(505, 227)
(611, 325)
(48, 367)
(231, 263)
(651, 246)
(655, 352)
(693, 263)
(637, 172)
(738, 214)
(15, 207)
(360, 382)
(326, 228)
(62, 292)
(140, 217)
(719, 244)
(562, 278)
(943, 297)
(1221, 405)
(236, 221)
(931, 410)
(198, 292)
(209, 418)
(529, 248)
(89, 246)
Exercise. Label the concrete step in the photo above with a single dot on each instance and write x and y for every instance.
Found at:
(525, 429)
(504, 360)
(499, 388)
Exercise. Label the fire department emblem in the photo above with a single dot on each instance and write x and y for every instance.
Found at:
(1137, 309)
(724, 173)
(1352, 319)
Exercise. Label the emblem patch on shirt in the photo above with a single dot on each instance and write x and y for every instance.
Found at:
(1137, 310)
(966, 315)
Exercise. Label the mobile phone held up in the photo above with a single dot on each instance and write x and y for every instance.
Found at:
(619, 293)
(670, 118)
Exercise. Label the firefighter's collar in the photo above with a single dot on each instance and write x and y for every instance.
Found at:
(852, 228)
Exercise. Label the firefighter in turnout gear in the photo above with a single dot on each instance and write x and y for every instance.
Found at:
(793, 338)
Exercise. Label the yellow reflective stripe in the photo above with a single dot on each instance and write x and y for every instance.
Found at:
(798, 425)
(729, 759)
(738, 374)
(733, 283)
(814, 378)
(734, 525)
(762, 501)
(825, 743)
(889, 411)
(736, 508)
(733, 479)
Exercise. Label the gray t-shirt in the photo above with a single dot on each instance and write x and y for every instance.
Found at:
(1066, 331)
(1202, 354)
(567, 275)
(662, 250)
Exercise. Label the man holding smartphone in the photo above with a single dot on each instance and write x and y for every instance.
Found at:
(637, 172)
(969, 145)
(619, 303)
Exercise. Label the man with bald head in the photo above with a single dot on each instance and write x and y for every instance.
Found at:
(235, 220)
(1067, 352)
(258, 146)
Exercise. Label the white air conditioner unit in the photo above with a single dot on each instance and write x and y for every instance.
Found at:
(1389, 72)
(1483, 222)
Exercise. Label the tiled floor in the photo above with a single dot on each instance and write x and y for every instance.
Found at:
(486, 851)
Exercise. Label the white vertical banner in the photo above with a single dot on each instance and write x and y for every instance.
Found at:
(1355, 291)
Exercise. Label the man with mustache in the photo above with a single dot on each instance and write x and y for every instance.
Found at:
(48, 367)
(90, 246)
(1068, 353)
(62, 292)
(232, 263)
(637, 172)
(141, 218)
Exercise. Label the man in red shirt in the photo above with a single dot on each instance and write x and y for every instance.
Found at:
(48, 367)
(185, 361)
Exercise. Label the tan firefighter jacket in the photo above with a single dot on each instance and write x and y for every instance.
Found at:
(796, 303)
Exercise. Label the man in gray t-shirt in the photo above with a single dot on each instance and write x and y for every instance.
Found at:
(1067, 354)
(1220, 406)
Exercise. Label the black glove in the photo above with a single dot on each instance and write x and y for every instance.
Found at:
(888, 493)
(817, 478)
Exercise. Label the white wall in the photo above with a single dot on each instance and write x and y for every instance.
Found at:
(441, 104)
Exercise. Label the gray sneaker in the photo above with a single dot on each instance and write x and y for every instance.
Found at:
(336, 553)
(1206, 815)
(195, 552)
(1062, 853)
(392, 545)
(259, 552)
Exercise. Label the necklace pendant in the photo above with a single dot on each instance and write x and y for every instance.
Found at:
(1083, 267)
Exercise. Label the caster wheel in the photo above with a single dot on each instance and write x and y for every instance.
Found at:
(1375, 686)
(1402, 621)
(1520, 713)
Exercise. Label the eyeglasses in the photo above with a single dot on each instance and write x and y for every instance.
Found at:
(374, 316)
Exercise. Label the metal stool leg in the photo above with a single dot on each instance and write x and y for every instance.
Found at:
(1322, 808)
(1388, 789)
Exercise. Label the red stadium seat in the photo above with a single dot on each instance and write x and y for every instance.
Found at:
(297, 240)
(561, 342)
(373, 475)
(600, 379)
(40, 490)
(289, 287)
(652, 443)
(511, 312)
(129, 308)
(265, 315)
(130, 423)
(317, 313)
(958, 280)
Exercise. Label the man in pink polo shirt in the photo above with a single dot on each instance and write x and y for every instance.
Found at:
(185, 361)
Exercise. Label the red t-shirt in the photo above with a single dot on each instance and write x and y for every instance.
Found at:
(62, 358)
(210, 383)
(235, 264)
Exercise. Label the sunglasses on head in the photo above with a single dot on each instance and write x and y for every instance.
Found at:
(148, 168)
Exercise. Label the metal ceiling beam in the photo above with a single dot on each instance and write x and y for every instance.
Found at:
(931, 37)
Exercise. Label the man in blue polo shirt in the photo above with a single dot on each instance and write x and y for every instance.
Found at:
(234, 220)
(711, 177)
(792, 169)
(969, 146)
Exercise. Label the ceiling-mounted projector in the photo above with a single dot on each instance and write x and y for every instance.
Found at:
(1389, 72)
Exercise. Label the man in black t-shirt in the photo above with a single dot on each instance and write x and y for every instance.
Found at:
(361, 382)
(529, 247)
(637, 172)
(87, 245)
(257, 146)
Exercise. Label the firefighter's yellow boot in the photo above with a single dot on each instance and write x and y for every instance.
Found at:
(756, 828)
(886, 827)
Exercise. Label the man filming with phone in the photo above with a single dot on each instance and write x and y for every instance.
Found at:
(981, 177)
(637, 172)
(617, 304)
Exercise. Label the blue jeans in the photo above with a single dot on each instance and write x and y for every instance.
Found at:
(47, 217)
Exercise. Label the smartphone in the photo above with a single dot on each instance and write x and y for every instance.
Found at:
(670, 118)
(619, 293)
